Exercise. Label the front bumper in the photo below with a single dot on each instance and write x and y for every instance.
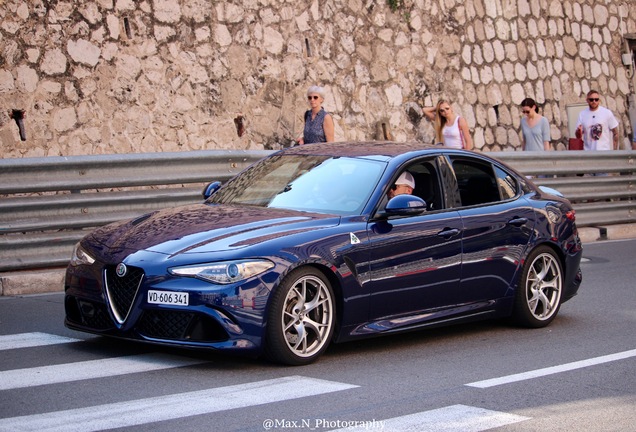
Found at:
(221, 319)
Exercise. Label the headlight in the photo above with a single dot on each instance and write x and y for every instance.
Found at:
(224, 272)
(80, 257)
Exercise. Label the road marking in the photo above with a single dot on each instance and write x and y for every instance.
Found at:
(552, 370)
(29, 377)
(170, 407)
(454, 418)
(28, 340)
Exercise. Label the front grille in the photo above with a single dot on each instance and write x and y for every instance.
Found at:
(179, 325)
(122, 291)
(165, 324)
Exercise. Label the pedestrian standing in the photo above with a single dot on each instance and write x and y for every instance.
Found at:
(450, 128)
(535, 129)
(597, 125)
(319, 125)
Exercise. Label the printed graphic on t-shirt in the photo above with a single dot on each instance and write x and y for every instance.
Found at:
(596, 131)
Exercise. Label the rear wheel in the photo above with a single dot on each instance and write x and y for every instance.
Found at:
(538, 296)
(301, 318)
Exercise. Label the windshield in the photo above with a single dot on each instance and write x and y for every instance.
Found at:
(323, 184)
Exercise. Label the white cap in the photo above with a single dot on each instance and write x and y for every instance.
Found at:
(406, 179)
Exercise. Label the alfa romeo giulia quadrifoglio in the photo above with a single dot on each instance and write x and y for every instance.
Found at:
(327, 243)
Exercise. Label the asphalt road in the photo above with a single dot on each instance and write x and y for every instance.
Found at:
(579, 374)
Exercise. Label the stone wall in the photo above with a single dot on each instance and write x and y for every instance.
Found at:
(121, 76)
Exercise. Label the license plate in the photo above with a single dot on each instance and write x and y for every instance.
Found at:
(167, 298)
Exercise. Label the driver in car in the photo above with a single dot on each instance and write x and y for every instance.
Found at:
(403, 185)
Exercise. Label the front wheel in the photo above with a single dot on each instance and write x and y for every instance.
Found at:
(301, 318)
(538, 297)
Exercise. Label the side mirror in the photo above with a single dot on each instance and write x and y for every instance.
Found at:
(210, 188)
(405, 205)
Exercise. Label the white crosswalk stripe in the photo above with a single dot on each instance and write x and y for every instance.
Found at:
(130, 413)
(29, 377)
(28, 340)
(455, 418)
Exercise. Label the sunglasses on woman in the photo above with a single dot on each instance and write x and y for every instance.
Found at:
(312, 97)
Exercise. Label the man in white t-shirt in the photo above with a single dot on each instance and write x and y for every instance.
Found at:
(597, 125)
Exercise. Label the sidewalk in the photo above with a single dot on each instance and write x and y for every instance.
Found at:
(52, 280)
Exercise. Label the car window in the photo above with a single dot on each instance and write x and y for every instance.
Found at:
(427, 184)
(507, 184)
(476, 181)
(323, 184)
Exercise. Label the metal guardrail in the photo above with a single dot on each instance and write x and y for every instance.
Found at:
(599, 200)
(48, 204)
(122, 170)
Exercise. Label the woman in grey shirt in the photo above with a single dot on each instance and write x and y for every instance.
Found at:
(534, 128)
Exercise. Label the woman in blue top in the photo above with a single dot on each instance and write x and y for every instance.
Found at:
(318, 122)
(534, 128)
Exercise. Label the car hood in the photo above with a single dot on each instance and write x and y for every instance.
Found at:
(201, 228)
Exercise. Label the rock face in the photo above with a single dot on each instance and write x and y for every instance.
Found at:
(121, 76)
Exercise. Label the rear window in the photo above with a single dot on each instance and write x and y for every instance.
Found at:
(477, 182)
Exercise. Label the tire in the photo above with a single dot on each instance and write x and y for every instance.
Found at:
(538, 297)
(301, 318)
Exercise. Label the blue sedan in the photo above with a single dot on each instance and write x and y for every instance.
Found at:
(314, 245)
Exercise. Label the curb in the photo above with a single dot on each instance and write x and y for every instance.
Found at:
(32, 282)
(52, 280)
(610, 232)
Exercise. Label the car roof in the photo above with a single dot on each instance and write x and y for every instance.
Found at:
(388, 149)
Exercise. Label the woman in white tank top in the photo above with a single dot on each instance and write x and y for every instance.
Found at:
(452, 135)
(450, 129)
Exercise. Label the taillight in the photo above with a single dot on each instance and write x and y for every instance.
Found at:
(571, 215)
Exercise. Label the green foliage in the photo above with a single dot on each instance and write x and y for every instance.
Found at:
(394, 4)
(399, 4)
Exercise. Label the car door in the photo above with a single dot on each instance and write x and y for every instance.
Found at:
(498, 223)
(415, 261)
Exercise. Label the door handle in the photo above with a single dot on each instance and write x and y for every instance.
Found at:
(448, 233)
(518, 221)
